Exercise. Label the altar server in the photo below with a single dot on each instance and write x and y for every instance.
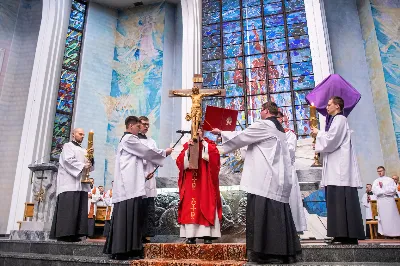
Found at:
(93, 199)
(108, 202)
(267, 178)
(295, 200)
(366, 201)
(340, 177)
(70, 220)
(125, 238)
(385, 190)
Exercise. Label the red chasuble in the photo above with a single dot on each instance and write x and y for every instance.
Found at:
(199, 189)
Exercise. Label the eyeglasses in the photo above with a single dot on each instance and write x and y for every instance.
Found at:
(146, 124)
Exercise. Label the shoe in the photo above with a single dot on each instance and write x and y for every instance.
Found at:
(207, 241)
(191, 241)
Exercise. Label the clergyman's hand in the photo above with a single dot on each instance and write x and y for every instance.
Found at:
(314, 131)
(91, 150)
(168, 151)
(191, 142)
(216, 131)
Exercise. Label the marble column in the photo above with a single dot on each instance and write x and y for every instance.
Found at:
(39, 117)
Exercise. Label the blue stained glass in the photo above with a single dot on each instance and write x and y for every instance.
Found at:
(255, 61)
(278, 71)
(73, 36)
(276, 45)
(211, 66)
(287, 111)
(293, 5)
(210, 18)
(234, 103)
(254, 23)
(302, 112)
(76, 20)
(232, 38)
(251, 12)
(211, 41)
(233, 50)
(253, 115)
(230, 4)
(303, 82)
(302, 69)
(78, 6)
(282, 99)
(253, 48)
(234, 90)
(279, 85)
(210, 30)
(256, 73)
(213, 101)
(298, 42)
(300, 97)
(241, 118)
(303, 127)
(212, 53)
(246, 3)
(233, 63)
(210, 7)
(255, 102)
(231, 26)
(277, 58)
(257, 87)
(275, 32)
(212, 79)
(273, 8)
(233, 77)
(253, 36)
(296, 17)
(297, 29)
(272, 21)
(68, 77)
(271, 1)
(230, 15)
(300, 55)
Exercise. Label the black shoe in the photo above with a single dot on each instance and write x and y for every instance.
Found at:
(207, 241)
(191, 241)
(123, 256)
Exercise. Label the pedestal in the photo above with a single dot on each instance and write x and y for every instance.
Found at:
(44, 179)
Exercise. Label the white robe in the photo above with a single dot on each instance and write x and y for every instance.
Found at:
(367, 205)
(95, 193)
(388, 215)
(267, 169)
(295, 200)
(108, 202)
(340, 167)
(151, 184)
(72, 160)
(129, 178)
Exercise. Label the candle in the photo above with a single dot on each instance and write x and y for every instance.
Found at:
(90, 139)
(313, 116)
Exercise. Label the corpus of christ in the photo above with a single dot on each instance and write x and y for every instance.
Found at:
(199, 132)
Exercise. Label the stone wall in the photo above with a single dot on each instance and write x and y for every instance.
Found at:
(19, 28)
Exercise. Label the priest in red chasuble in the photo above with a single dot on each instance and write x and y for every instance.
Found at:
(200, 208)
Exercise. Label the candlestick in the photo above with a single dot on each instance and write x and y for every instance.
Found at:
(313, 116)
(89, 156)
(90, 139)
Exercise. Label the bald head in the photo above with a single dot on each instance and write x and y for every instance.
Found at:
(78, 134)
(395, 179)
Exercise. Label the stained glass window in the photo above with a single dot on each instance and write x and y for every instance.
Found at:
(258, 50)
(68, 78)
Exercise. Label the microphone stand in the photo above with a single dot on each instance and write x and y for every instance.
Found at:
(182, 134)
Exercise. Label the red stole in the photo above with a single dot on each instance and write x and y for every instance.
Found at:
(108, 213)
(199, 195)
(91, 210)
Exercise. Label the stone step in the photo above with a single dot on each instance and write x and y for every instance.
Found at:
(309, 185)
(309, 175)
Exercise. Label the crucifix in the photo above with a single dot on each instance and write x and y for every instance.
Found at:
(196, 94)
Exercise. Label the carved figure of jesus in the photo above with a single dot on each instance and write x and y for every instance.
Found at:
(196, 111)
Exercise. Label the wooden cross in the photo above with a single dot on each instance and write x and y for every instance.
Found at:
(196, 94)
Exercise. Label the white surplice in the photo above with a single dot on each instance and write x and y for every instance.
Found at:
(367, 205)
(108, 202)
(72, 160)
(95, 193)
(151, 184)
(129, 177)
(295, 200)
(340, 167)
(388, 215)
(267, 169)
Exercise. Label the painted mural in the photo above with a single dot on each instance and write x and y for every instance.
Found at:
(386, 16)
(136, 75)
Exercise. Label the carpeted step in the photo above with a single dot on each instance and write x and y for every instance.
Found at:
(186, 262)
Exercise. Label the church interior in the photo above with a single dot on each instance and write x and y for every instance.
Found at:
(91, 63)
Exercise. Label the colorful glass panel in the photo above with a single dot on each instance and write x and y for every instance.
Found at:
(253, 48)
(279, 85)
(256, 87)
(213, 101)
(247, 3)
(251, 24)
(210, 18)
(210, 7)
(300, 97)
(297, 29)
(303, 82)
(303, 127)
(233, 50)
(241, 119)
(78, 6)
(212, 79)
(234, 90)
(255, 61)
(254, 115)
(211, 29)
(287, 111)
(273, 8)
(282, 99)
(256, 73)
(251, 12)
(302, 112)
(278, 71)
(271, 1)
(211, 66)
(302, 69)
(231, 26)
(300, 55)
(298, 42)
(70, 63)
(277, 58)
(234, 103)
(211, 41)
(296, 17)
(293, 5)
(76, 20)
(272, 21)
(212, 53)
(275, 32)
(232, 38)
(233, 77)
(255, 102)
(230, 4)
(253, 35)
(230, 15)
(65, 101)
(73, 36)
(233, 63)
(276, 45)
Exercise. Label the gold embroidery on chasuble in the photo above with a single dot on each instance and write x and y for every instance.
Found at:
(193, 209)
(194, 179)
